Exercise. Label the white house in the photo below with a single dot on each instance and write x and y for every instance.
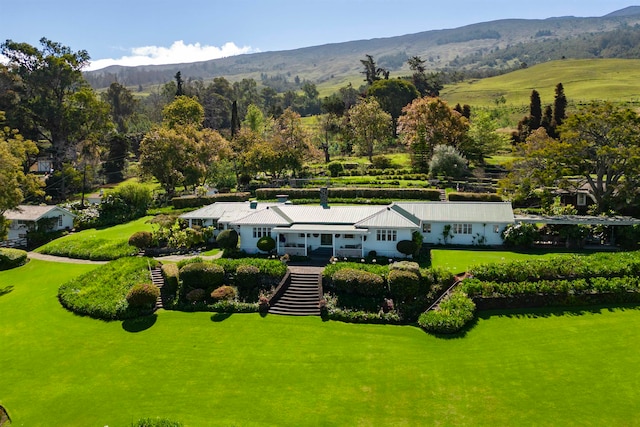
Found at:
(25, 218)
(355, 231)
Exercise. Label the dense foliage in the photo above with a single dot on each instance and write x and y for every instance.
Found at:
(96, 249)
(358, 282)
(201, 275)
(454, 312)
(143, 295)
(12, 258)
(101, 293)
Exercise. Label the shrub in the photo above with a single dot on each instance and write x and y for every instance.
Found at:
(171, 275)
(227, 239)
(141, 239)
(411, 266)
(335, 168)
(143, 295)
(404, 285)
(196, 201)
(473, 197)
(266, 244)
(406, 247)
(447, 161)
(12, 258)
(454, 312)
(247, 276)
(519, 235)
(358, 282)
(202, 275)
(196, 295)
(128, 201)
(380, 162)
(223, 293)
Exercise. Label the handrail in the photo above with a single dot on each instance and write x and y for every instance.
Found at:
(444, 294)
(281, 288)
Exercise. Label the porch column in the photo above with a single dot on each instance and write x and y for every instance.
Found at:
(362, 237)
(333, 244)
(305, 245)
(278, 243)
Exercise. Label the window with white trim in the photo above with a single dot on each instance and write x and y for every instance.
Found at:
(259, 232)
(196, 222)
(582, 199)
(349, 236)
(462, 228)
(496, 228)
(386, 235)
(59, 220)
(426, 227)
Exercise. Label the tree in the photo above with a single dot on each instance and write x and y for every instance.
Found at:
(428, 122)
(184, 111)
(163, 155)
(427, 85)
(15, 184)
(393, 95)
(559, 109)
(47, 78)
(447, 161)
(179, 83)
(371, 71)
(254, 119)
(483, 139)
(535, 111)
(122, 105)
(370, 126)
(599, 147)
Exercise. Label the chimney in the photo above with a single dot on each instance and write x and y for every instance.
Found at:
(253, 204)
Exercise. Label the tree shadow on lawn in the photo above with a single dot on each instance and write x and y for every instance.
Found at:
(220, 317)
(544, 312)
(6, 290)
(139, 324)
(457, 335)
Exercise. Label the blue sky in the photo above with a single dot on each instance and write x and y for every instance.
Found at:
(136, 32)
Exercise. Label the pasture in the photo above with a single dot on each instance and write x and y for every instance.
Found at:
(576, 367)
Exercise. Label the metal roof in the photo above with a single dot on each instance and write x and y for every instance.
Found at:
(262, 217)
(32, 213)
(225, 211)
(468, 212)
(316, 214)
(388, 218)
(322, 228)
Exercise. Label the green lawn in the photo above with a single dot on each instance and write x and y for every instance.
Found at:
(459, 260)
(103, 244)
(545, 368)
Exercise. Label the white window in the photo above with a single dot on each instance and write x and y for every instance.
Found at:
(196, 222)
(349, 236)
(496, 228)
(386, 235)
(59, 220)
(582, 199)
(259, 232)
(462, 228)
(426, 227)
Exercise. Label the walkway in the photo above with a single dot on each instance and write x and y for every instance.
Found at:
(53, 258)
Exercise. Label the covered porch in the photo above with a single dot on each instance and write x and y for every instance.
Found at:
(340, 240)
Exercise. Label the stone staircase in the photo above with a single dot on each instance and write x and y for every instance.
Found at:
(302, 296)
(158, 280)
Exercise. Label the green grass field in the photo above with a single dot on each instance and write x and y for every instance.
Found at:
(103, 244)
(584, 80)
(528, 368)
(460, 260)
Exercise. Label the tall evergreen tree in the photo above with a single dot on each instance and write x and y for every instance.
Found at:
(535, 110)
(559, 106)
(179, 82)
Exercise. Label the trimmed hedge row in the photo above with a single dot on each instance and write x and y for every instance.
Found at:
(352, 193)
(358, 282)
(198, 201)
(473, 197)
(12, 258)
(602, 264)
(171, 275)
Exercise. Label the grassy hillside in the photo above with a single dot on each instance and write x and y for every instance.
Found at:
(584, 80)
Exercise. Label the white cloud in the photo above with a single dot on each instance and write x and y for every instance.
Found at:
(178, 53)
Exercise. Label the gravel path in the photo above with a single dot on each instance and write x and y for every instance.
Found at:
(53, 258)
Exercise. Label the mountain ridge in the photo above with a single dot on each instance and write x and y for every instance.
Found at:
(441, 48)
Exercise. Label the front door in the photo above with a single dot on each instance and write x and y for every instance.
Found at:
(326, 240)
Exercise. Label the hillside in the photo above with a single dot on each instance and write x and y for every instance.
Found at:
(617, 80)
(460, 48)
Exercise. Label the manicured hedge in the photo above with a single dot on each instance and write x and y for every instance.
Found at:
(12, 258)
(473, 197)
(405, 285)
(171, 275)
(196, 202)
(201, 275)
(101, 293)
(95, 249)
(143, 295)
(455, 311)
(352, 193)
(330, 310)
(359, 282)
(602, 264)
(224, 293)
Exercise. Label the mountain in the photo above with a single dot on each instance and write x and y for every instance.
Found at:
(501, 44)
